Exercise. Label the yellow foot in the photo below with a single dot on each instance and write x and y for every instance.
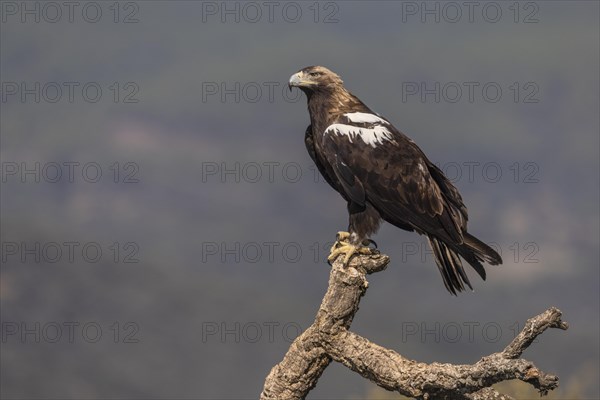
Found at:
(348, 249)
(340, 238)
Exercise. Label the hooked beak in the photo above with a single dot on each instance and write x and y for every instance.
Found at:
(296, 80)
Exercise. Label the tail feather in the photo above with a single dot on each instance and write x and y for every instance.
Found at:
(450, 266)
(481, 251)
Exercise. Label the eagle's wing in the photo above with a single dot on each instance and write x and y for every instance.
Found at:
(375, 162)
(330, 178)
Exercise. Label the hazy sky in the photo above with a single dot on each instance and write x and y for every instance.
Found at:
(160, 212)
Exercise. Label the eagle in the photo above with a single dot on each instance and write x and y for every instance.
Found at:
(384, 176)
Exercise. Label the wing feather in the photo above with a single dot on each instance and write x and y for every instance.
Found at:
(375, 162)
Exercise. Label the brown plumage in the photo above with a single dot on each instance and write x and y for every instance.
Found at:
(384, 175)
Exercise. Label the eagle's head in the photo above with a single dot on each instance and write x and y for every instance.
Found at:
(315, 78)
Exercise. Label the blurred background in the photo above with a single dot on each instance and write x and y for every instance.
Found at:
(164, 232)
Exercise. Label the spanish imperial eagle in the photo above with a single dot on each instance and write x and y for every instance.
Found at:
(384, 175)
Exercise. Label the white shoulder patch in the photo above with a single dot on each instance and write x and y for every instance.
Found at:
(365, 118)
(371, 136)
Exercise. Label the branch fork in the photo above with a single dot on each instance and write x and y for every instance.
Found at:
(329, 338)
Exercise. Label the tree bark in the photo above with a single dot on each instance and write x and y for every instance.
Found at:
(328, 338)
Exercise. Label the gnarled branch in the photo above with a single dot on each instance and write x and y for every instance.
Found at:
(328, 338)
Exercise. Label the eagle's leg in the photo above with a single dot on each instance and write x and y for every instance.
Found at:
(349, 245)
(363, 222)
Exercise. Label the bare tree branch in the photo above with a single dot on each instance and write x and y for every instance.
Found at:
(328, 338)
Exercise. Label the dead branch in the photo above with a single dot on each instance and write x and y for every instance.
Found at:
(328, 338)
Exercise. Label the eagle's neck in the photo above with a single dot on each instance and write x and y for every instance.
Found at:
(327, 106)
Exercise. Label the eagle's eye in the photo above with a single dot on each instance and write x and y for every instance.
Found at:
(315, 74)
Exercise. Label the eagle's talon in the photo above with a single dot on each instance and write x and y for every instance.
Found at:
(341, 238)
(348, 250)
(368, 242)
